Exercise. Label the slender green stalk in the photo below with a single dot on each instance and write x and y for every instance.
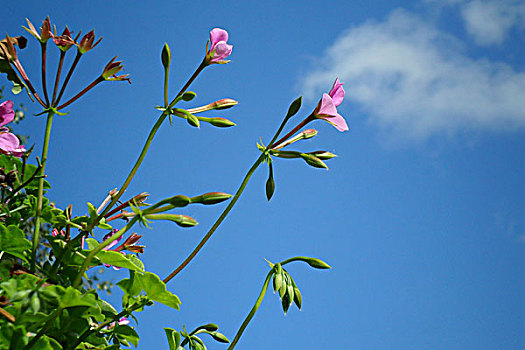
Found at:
(252, 311)
(145, 149)
(166, 78)
(219, 220)
(228, 208)
(45, 148)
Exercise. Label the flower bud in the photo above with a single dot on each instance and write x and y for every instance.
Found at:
(86, 43)
(45, 30)
(323, 155)
(297, 297)
(224, 103)
(64, 41)
(181, 220)
(179, 201)
(192, 120)
(317, 263)
(221, 122)
(165, 56)
(211, 198)
(313, 161)
(305, 134)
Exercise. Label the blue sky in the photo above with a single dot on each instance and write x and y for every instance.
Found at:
(421, 215)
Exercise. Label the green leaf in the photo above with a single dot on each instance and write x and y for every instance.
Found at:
(156, 290)
(131, 286)
(92, 210)
(13, 241)
(128, 333)
(173, 338)
(118, 259)
(73, 297)
(294, 107)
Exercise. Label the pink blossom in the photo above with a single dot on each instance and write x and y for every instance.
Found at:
(7, 114)
(9, 143)
(327, 107)
(219, 48)
(111, 245)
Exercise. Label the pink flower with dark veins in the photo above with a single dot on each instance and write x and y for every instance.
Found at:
(327, 107)
(219, 48)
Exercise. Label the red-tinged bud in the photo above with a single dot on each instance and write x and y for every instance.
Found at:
(303, 135)
(139, 198)
(86, 43)
(221, 122)
(224, 103)
(64, 41)
(211, 198)
(45, 31)
(129, 244)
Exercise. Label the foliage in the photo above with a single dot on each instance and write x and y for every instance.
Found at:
(47, 298)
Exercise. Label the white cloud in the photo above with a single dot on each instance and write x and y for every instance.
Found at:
(489, 21)
(415, 81)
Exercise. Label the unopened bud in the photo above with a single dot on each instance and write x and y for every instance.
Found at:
(181, 220)
(224, 103)
(305, 134)
(192, 120)
(211, 198)
(86, 43)
(323, 155)
(221, 122)
(313, 161)
(179, 201)
(317, 263)
(165, 56)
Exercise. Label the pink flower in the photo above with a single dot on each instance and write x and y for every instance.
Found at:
(219, 48)
(9, 143)
(111, 245)
(327, 107)
(7, 114)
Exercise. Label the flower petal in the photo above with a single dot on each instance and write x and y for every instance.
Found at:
(217, 35)
(337, 93)
(222, 50)
(9, 142)
(328, 111)
(6, 112)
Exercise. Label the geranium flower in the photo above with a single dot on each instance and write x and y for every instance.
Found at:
(9, 143)
(327, 107)
(219, 48)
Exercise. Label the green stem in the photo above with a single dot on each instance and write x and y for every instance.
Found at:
(219, 220)
(229, 207)
(144, 151)
(45, 148)
(166, 78)
(252, 311)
